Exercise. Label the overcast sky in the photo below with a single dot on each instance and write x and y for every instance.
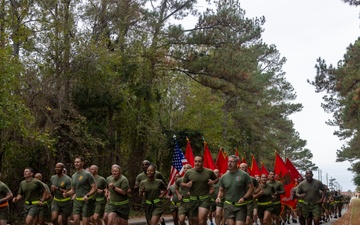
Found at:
(304, 31)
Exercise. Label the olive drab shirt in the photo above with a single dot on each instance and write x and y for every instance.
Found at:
(81, 182)
(122, 183)
(311, 190)
(199, 180)
(235, 185)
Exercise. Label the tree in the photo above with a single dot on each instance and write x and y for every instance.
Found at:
(342, 93)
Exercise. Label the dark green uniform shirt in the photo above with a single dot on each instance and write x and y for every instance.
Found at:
(152, 188)
(122, 183)
(81, 182)
(267, 194)
(199, 180)
(63, 182)
(235, 185)
(279, 187)
(311, 190)
(31, 190)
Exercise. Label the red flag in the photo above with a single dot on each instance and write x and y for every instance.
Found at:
(243, 160)
(189, 153)
(293, 171)
(208, 160)
(177, 164)
(283, 175)
(221, 162)
(263, 169)
(254, 167)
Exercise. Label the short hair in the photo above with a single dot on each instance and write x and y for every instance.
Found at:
(96, 167)
(38, 175)
(60, 164)
(29, 168)
(234, 157)
(202, 157)
(80, 157)
(152, 165)
(116, 166)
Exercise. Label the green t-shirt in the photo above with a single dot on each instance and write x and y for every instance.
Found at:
(4, 190)
(63, 182)
(173, 194)
(200, 179)
(279, 187)
(235, 185)
(101, 184)
(268, 192)
(184, 191)
(153, 188)
(31, 190)
(311, 190)
(216, 190)
(123, 183)
(81, 182)
(142, 176)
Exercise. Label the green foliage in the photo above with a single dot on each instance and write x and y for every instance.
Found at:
(115, 81)
(342, 98)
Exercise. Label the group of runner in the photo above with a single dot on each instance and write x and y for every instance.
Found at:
(234, 198)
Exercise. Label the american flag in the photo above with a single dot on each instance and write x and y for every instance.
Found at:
(177, 164)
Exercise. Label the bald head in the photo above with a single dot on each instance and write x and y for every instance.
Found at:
(244, 167)
(94, 169)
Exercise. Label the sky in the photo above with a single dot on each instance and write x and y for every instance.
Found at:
(302, 32)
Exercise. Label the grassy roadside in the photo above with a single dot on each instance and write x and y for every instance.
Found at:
(352, 215)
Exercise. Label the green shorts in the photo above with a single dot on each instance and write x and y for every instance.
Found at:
(122, 211)
(195, 204)
(262, 208)
(100, 207)
(84, 208)
(174, 206)
(212, 206)
(45, 210)
(184, 209)
(32, 210)
(310, 210)
(63, 208)
(237, 213)
(277, 209)
(155, 209)
(4, 213)
(250, 209)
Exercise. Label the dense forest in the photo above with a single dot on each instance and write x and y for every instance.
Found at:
(114, 81)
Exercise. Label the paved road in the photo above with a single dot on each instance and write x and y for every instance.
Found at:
(169, 221)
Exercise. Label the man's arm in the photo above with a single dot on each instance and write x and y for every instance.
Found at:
(280, 190)
(248, 193)
(93, 190)
(220, 195)
(69, 193)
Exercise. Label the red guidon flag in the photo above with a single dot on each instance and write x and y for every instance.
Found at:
(293, 171)
(283, 175)
(208, 160)
(189, 155)
(222, 162)
(254, 167)
(263, 169)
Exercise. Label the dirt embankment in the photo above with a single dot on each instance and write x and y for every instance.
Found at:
(352, 215)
